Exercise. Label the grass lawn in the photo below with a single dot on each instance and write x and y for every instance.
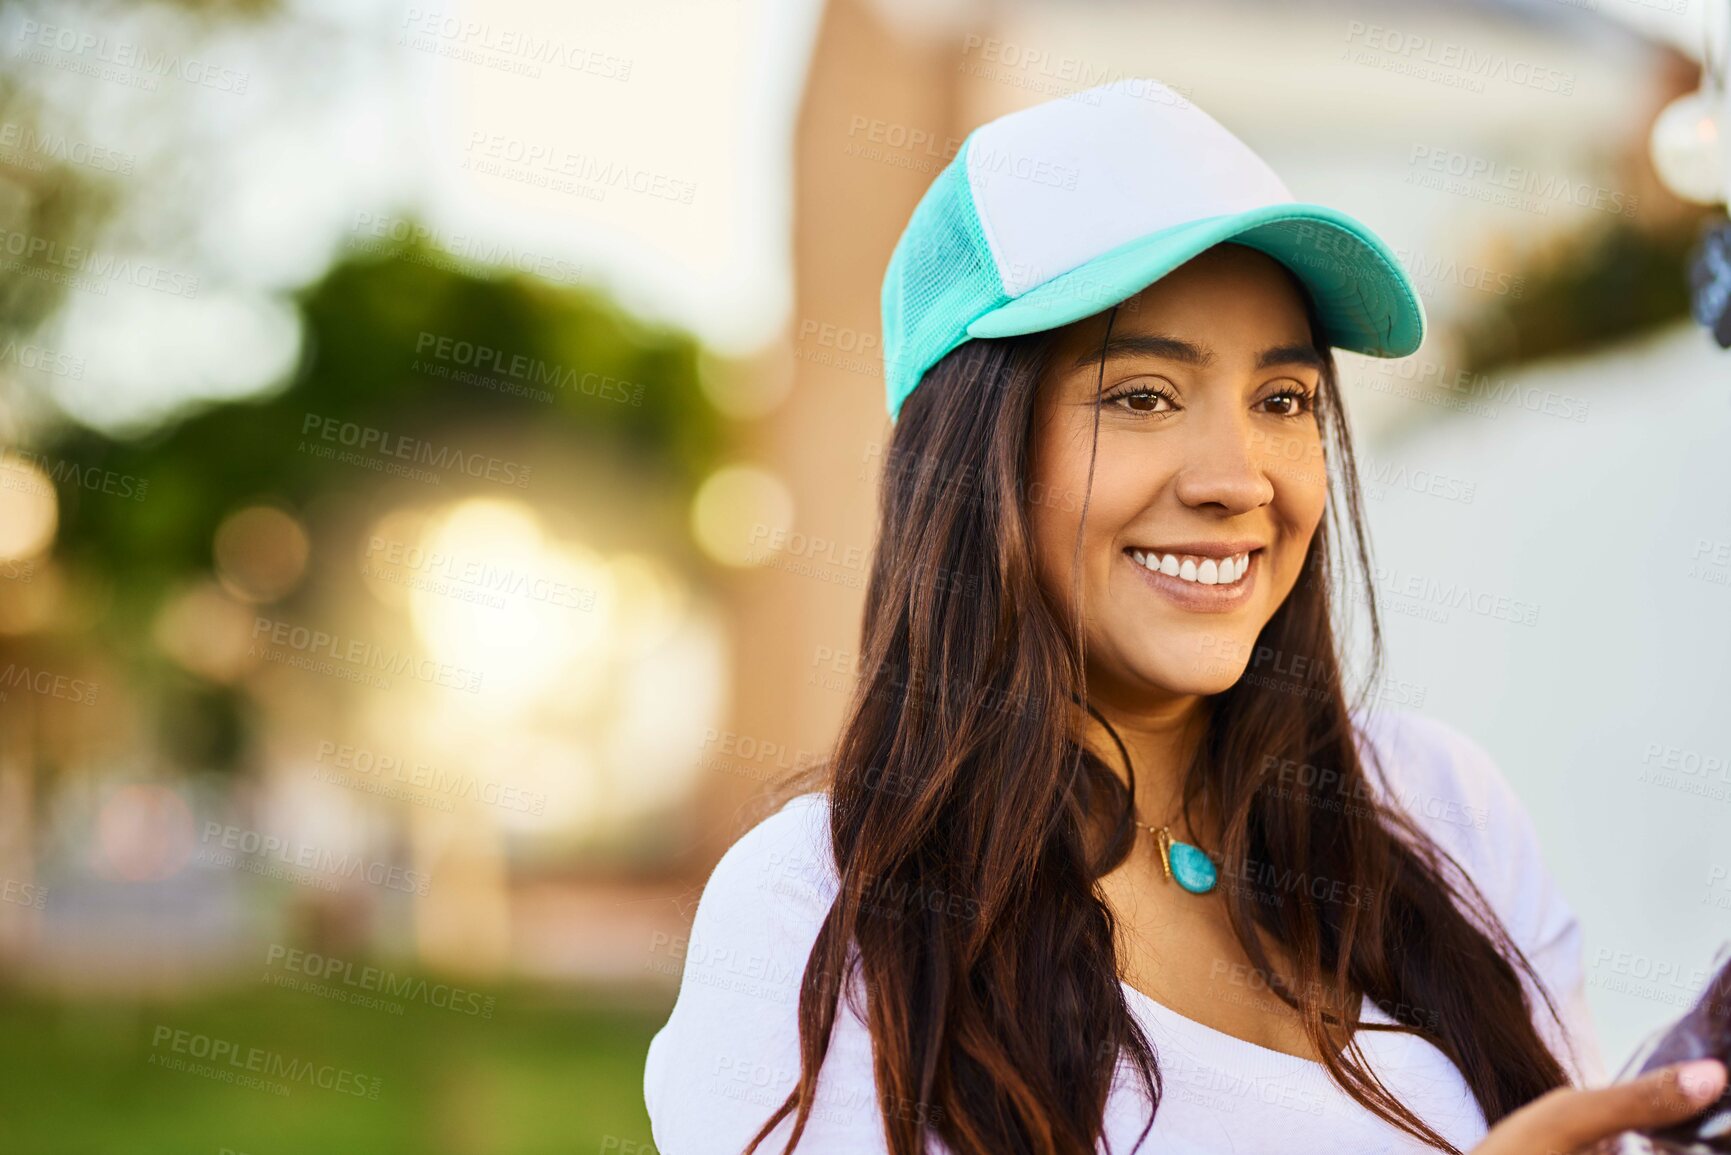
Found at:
(549, 1072)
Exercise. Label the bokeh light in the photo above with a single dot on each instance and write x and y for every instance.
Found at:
(739, 513)
(261, 553)
(493, 594)
(29, 509)
(206, 631)
(32, 594)
(144, 832)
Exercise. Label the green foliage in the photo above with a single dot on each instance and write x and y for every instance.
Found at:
(548, 1073)
(139, 517)
(1610, 284)
(371, 332)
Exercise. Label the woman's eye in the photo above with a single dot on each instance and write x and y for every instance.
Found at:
(1289, 403)
(1143, 401)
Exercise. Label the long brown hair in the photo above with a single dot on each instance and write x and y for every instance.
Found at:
(970, 824)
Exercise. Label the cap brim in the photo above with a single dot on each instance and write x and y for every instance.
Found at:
(1363, 297)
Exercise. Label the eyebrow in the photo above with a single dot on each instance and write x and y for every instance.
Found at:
(1200, 356)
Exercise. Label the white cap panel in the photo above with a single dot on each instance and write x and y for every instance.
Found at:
(1045, 210)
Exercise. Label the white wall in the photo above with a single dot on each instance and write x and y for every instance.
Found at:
(1599, 523)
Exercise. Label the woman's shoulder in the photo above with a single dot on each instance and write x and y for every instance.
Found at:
(729, 1052)
(1438, 774)
(764, 903)
(783, 861)
(1451, 788)
(1454, 790)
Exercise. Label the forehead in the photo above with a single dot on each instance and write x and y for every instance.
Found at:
(1230, 299)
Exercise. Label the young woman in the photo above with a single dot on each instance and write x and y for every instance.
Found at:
(1105, 858)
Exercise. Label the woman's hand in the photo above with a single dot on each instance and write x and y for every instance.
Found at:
(1565, 1121)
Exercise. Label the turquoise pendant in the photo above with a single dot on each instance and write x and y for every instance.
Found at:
(1185, 864)
(1191, 869)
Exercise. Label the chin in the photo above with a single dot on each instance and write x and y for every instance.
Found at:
(1186, 674)
(1202, 660)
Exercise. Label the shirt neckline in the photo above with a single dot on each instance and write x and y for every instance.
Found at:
(1211, 1044)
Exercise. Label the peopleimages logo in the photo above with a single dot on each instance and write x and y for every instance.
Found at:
(1463, 60)
(96, 51)
(46, 684)
(527, 370)
(60, 471)
(20, 893)
(228, 1061)
(476, 41)
(310, 645)
(366, 439)
(327, 969)
(308, 857)
(377, 767)
(1544, 186)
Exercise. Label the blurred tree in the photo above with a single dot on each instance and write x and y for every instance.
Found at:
(411, 342)
(58, 188)
(1602, 286)
(372, 334)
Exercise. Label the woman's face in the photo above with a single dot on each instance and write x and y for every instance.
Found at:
(1209, 480)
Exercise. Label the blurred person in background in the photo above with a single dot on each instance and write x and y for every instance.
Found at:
(1105, 835)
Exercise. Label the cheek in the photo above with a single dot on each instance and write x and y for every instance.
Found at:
(1301, 505)
(1122, 489)
(1052, 500)
(1056, 491)
(1300, 500)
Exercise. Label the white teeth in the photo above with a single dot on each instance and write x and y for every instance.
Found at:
(1206, 571)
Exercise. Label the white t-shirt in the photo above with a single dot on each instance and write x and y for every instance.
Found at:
(729, 1054)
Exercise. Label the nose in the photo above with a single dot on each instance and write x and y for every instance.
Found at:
(1223, 469)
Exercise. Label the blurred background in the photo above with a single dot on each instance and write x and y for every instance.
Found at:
(436, 497)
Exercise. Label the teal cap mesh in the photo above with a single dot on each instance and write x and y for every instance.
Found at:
(941, 278)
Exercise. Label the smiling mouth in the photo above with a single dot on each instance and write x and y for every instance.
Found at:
(1192, 567)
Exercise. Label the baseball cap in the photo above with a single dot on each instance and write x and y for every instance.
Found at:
(1061, 210)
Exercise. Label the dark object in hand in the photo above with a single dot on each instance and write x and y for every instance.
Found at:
(1703, 1033)
(1710, 282)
